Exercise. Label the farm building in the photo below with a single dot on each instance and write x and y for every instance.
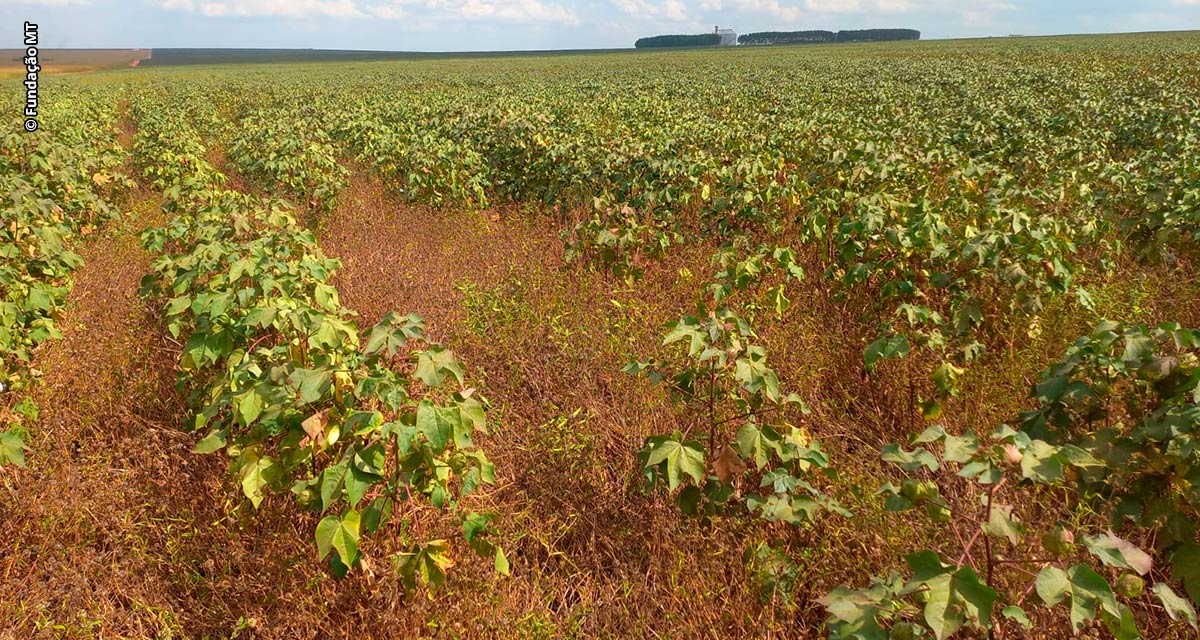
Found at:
(728, 36)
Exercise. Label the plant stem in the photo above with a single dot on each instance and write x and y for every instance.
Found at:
(712, 411)
(987, 540)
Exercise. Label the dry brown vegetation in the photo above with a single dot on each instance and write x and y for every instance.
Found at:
(120, 531)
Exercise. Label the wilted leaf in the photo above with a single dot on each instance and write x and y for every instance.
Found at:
(728, 464)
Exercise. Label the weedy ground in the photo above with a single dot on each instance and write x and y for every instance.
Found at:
(118, 530)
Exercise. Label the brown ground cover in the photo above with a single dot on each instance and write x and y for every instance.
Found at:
(117, 530)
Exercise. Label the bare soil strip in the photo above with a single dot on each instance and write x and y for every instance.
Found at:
(591, 554)
(116, 528)
(83, 513)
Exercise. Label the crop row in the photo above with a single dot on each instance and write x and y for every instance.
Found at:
(59, 187)
(357, 425)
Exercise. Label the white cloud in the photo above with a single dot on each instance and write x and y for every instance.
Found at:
(772, 8)
(673, 10)
(437, 10)
(266, 8)
(386, 11)
(513, 10)
(52, 3)
(984, 13)
(637, 8)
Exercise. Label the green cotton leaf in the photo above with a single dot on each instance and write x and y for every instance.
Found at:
(438, 424)
(464, 419)
(757, 444)
(754, 376)
(12, 449)
(1079, 458)
(40, 298)
(240, 268)
(178, 305)
(885, 347)
(257, 476)
(435, 364)
(1138, 347)
(956, 596)
(1085, 299)
(681, 458)
(945, 378)
(249, 406)
(357, 483)
(1177, 607)
(1000, 524)
(779, 299)
(213, 442)
(1052, 585)
(1185, 567)
(968, 314)
(377, 514)
(326, 297)
(683, 329)
(28, 408)
(1017, 614)
(428, 562)
(1085, 589)
(974, 596)
(794, 510)
(332, 480)
(475, 527)
(502, 567)
(689, 500)
(983, 472)
(341, 535)
(1115, 552)
(961, 449)
(926, 565)
(361, 423)
(311, 384)
(327, 336)
(371, 460)
(857, 609)
(261, 317)
(1040, 462)
(909, 460)
(391, 334)
(1123, 626)
(1051, 390)
(932, 433)
(931, 409)
(474, 418)
(955, 599)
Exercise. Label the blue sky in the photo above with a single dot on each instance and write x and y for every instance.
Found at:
(457, 25)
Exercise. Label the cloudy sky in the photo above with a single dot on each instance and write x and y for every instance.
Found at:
(458, 25)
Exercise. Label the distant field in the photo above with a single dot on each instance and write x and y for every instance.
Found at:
(174, 57)
(72, 60)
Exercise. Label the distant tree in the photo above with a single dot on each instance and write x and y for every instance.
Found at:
(702, 40)
(878, 35)
(786, 37)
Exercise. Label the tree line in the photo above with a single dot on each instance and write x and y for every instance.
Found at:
(701, 40)
(808, 37)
